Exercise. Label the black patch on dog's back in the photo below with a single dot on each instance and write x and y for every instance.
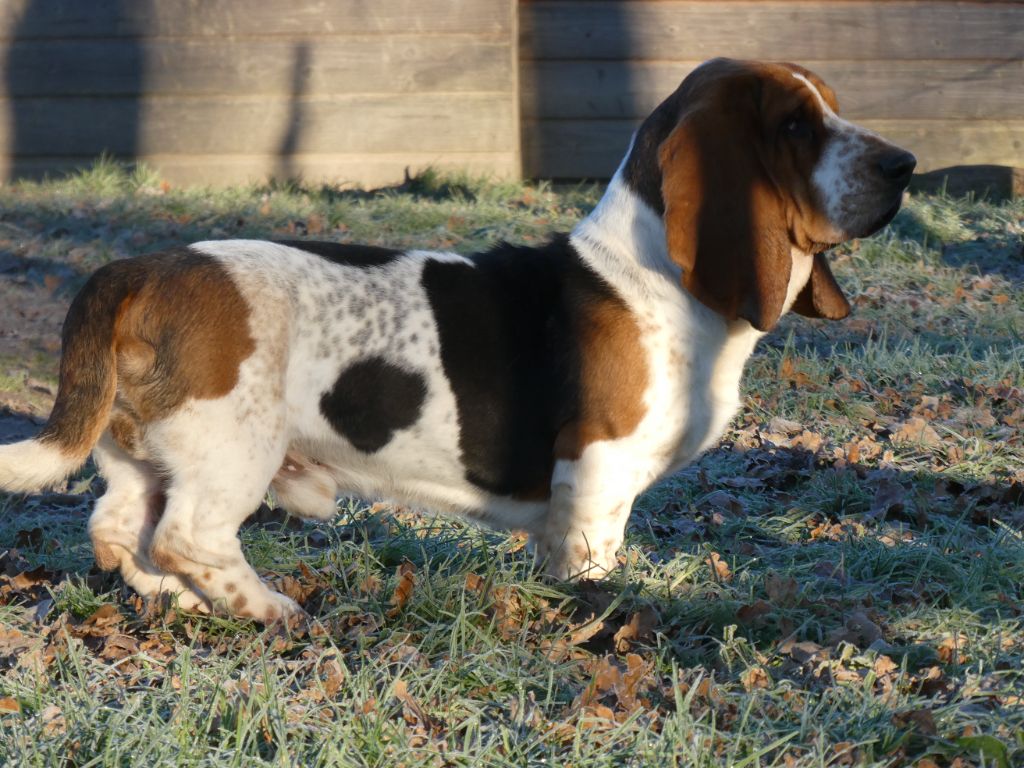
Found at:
(371, 400)
(346, 254)
(509, 348)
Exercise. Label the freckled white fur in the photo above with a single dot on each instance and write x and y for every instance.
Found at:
(328, 306)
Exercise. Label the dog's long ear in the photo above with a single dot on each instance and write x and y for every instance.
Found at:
(724, 220)
(822, 297)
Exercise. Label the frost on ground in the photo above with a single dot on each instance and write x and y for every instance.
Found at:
(839, 582)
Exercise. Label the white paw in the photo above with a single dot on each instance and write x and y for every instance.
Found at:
(572, 562)
(268, 608)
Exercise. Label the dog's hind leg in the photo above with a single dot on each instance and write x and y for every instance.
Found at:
(122, 524)
(219, 460)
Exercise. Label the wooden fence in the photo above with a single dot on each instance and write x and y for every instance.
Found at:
(945, 79)
(224, 91)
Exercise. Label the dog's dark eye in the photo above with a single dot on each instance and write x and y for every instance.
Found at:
(797, 128)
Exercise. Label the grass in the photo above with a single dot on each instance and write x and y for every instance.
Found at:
(839, 582)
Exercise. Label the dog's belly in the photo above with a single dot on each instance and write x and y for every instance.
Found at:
(414, 472)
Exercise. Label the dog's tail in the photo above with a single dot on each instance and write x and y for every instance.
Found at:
(88, 384)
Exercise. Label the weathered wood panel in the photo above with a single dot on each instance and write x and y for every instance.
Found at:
(940, 76)
(933, 89)
(220, 19)
(454, 122)
(837, 29)
(226, 90)
(995, 182)
(281, 65)
(569, 149)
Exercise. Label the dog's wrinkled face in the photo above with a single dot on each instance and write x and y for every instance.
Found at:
(748, 162)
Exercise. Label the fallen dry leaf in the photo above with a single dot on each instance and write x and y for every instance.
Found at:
(411, 705)
(103, 617)
(951, 649)
(53, 720)
(920, 720)
(782, 590)
(726, 502)
(403, 590)
(756, 677)
(639, 627)
(369, 584)
(333, 676)
(751, 614)
(884, 666)
(916, 431)
(719, 567)
(844, 753)
(788, 372)
(890, 496)
(785, 426)
(863, 628)
(8, 704)
(118, 646)
(808, 441)
(803, 651)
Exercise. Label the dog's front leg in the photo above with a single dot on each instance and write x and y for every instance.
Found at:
(591, 499)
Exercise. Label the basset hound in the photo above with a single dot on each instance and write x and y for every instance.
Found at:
(528, 388)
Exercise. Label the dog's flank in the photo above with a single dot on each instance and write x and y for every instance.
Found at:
(533, 388)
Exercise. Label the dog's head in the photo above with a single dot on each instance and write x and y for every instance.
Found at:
(750, 166)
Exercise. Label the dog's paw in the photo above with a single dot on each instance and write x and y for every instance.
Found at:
(575, 561)
(279, 608)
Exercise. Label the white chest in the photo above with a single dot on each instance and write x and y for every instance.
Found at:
(696, 361)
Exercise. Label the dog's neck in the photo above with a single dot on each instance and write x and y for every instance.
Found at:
(624, 241)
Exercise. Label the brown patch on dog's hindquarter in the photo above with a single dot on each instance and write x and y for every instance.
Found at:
(184, 334)
(152, 331)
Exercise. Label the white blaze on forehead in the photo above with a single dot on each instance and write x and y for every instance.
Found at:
(817, 94)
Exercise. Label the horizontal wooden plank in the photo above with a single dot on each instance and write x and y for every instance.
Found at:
(772, 29)
(278, 66)
(572, 149)
(939, 89)
(31, 19)
(344, 169)
(994, 182)
(941, 143)
(453, 122)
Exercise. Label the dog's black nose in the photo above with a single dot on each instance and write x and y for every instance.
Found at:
(897, 166)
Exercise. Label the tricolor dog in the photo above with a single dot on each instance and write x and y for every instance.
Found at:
(532, 388)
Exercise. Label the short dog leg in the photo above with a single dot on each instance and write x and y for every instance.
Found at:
(198, 540)
(585, 524)
(219, 468)
(121, 526)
